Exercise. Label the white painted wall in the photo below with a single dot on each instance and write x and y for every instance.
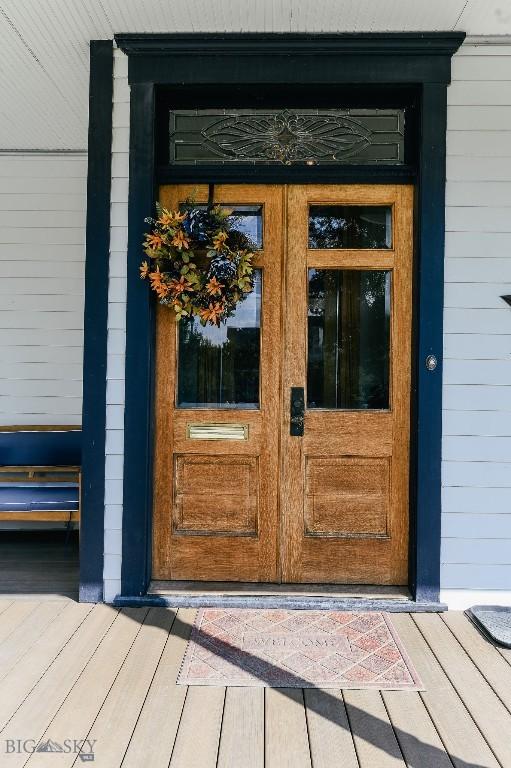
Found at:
(116, 347)
(42, 235)
(476, 477)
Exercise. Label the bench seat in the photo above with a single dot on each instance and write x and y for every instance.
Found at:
(38, 499)
(40, 475)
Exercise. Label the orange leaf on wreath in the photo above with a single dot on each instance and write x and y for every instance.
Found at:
(213, 313)
(179, 286)
(171, 218)
(154, 241)
(214, 288)
(158, 285)
(219, 240)
(180, 239)
(144, 270)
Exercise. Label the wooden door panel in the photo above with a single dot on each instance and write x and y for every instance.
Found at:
(376, 567)
(232, 481)
(216, 500)
(346, 496)
(360, 433)
(345, 482)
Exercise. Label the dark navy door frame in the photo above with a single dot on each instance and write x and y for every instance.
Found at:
(99, 159)
(420, 62)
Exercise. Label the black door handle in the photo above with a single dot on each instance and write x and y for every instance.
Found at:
(297, 412)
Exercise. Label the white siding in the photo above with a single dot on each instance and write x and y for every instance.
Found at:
(476, 501)
(476, 498)
(42, 236)
(114, 459)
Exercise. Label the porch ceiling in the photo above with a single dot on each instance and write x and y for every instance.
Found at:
(44, 45)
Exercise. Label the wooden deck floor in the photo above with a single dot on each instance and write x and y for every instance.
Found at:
(73, 671)
(39, 564)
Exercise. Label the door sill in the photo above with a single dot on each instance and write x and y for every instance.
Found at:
(288, 597)
(251, 589)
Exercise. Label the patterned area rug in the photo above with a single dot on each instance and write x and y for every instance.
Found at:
(298, 649)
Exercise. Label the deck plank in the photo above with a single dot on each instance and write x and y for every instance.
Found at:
(45, 699)
(330, 740)
(505, 653)
(483, 653)
(27, 633)
(116, 720)
(86, 698)
(18, 683)
(286, 738)
(4, 604)
(457, 730)
(156, 729)
(14, 616)
(242, 735)
(421, 745)
(375, 741)
(199, 731)
(487, 710)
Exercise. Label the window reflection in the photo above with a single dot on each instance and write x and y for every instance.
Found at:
(348, 339)
(350, 226)
(247, 219)
(219, 367)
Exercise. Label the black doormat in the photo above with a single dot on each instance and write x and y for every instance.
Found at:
(494, 621)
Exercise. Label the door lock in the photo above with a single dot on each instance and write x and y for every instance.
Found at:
(431, 362)
(297, 419)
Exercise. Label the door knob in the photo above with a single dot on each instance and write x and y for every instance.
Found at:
(296, 423)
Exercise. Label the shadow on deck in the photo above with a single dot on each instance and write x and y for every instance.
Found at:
(39, 563)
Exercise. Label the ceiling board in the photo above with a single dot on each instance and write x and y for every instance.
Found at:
(44, 44)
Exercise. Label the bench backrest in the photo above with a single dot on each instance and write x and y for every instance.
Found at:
(40, 447)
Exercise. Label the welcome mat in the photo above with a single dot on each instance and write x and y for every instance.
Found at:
(296, 649)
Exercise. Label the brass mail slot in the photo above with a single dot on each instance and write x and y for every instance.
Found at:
(217, 431)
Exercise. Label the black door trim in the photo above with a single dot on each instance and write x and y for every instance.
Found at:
(419, 61)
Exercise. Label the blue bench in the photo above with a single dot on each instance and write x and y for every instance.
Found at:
(40, 474)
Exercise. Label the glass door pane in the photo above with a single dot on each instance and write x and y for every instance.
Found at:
(247, 219)
(219, 367)
(350, 226)
(348, 339)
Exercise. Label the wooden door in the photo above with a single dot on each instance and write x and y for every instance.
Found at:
(216, 500)
(329, 505)
(347, 344)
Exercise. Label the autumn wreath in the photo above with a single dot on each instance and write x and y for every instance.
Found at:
(199, 262)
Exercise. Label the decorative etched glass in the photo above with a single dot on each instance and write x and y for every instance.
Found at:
(219, 367)
(350, 226)
(335, 136)
(348, 339)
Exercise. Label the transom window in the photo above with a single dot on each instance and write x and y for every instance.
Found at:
(287, 136)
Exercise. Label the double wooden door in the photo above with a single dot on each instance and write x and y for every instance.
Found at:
(282, 437)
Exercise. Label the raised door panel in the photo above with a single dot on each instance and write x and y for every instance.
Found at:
(215, 495)
(347, 497)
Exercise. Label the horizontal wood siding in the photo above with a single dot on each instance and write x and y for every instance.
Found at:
(42, 236)
(114, 466)
(476, 502)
